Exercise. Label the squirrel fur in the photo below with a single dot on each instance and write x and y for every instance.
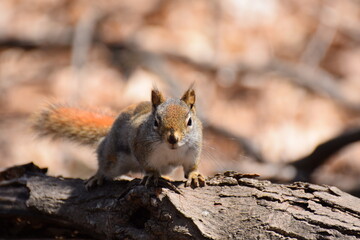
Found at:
(152, 137)
(75, 124)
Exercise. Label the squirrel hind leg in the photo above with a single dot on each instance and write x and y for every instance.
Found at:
(96, 180)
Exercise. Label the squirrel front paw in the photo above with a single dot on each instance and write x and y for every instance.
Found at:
(150, 179)
(195, 179)
(154, 179)
(96, 180)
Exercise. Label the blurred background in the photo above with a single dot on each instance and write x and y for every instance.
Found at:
(274, 79)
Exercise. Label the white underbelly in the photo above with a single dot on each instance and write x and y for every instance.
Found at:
(165, 159)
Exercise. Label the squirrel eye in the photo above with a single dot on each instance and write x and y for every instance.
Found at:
(189, 123)
(156, 123)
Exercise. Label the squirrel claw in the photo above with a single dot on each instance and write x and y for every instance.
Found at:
(195, 180)
(144, 180)
(151, 179)
(93, 182)
(167, 184)
(157, 181)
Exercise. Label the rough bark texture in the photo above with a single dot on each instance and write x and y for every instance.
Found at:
(231, 206)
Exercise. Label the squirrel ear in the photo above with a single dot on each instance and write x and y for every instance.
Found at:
(156, 98)
(189, 97)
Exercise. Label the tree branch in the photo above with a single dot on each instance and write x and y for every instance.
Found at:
(308, 164)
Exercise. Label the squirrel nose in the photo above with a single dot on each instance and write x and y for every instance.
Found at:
(172, 139)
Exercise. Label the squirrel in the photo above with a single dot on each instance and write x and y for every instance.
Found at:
(152, 137)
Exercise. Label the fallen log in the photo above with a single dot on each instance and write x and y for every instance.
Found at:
(231, 206)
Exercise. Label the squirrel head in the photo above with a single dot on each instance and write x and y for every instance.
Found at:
(175, 119)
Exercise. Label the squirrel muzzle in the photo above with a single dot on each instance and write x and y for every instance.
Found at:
(173, 139)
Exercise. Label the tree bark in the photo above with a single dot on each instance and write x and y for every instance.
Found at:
(231, 206)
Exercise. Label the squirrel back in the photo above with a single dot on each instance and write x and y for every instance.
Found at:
(79, 125)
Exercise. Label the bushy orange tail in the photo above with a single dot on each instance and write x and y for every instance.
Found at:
(75, 124)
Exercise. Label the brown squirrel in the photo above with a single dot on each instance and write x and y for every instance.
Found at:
(152, 137)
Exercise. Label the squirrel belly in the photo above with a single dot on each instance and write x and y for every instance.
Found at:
(165, 159)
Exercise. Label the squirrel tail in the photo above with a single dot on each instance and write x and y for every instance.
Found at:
(75, 124)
